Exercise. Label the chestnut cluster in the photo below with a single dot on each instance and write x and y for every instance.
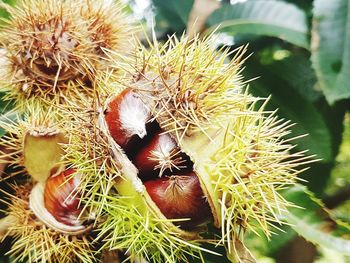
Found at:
(166, 171)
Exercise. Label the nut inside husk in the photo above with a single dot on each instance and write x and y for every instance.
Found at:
(237, 148)
(37, 205)
(35, 240)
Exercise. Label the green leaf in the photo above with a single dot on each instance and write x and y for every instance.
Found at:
(331, 47)
(314, 222)
(291, 83)
(263, 17)
(260, 245)
(172, 14)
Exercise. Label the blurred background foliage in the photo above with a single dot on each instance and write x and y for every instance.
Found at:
(301, 57)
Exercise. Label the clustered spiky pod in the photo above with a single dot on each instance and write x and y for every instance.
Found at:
(185, 92)
(53, 49)
(239, 151)
(151, 147)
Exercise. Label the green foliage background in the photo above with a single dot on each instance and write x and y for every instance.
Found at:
(301, 54)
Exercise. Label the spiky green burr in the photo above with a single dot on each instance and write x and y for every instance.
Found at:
(239, 150)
